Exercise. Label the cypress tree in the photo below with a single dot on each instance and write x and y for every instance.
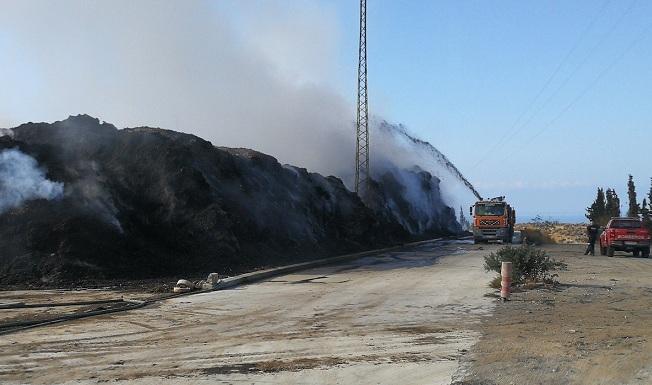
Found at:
(633, 209)
(463, 222)
(647, 214)
(616, 212)
(596, 213)
(645, 211)
(612, 208)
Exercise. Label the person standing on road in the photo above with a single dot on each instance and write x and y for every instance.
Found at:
(592, 233)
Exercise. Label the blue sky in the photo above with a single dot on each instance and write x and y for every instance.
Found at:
(461, 73)
(538, 101)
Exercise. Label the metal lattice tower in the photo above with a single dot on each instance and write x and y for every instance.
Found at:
(362, 120)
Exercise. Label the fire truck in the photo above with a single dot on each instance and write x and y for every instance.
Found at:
(493, 220)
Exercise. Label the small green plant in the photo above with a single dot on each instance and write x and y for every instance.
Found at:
(528, 263)
(495, 282)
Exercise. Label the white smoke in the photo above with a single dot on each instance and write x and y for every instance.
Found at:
(212, 69)
(7, 132)
(88, 192)
(425, 205)
(21, 180)
(260, 75)
(393, 146)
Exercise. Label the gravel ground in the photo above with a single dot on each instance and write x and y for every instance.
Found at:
(593, 328)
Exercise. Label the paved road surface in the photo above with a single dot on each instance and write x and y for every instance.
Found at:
(400, 317)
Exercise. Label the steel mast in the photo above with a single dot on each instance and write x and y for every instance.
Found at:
(362, 120)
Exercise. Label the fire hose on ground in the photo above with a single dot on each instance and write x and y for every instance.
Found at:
(11, 327)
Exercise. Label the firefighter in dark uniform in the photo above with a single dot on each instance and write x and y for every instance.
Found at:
(592, 232)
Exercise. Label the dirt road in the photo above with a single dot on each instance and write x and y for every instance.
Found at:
(419, 316)
(594, 328)
(401, 317)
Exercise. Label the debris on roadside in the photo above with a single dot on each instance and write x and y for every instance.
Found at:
(183, 286)
(212, 281)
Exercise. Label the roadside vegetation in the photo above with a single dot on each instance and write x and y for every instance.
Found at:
(607, 205)
(535, 234)
(540, 232)
(529, 265)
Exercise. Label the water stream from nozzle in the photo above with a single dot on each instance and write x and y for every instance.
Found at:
(436, 154)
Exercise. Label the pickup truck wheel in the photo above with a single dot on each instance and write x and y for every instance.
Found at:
(636, 253)
(610, 252)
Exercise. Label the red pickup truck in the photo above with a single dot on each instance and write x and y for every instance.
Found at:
(625, 234)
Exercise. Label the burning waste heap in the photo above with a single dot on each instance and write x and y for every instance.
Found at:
(82, 199)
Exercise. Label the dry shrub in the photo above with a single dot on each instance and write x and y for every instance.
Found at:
(536, 236)
(528, 263)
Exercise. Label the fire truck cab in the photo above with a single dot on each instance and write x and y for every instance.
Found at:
(493, 220)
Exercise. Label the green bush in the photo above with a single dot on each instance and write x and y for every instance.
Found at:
(528, 263)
